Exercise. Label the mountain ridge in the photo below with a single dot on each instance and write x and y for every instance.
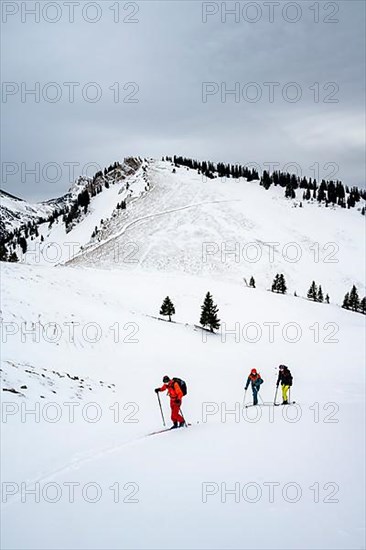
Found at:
(165, 215)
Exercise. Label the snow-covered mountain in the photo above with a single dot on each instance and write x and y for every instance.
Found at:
(150, 215)
(30, 230)
(232, 229)
(16, 212)
(84, 347)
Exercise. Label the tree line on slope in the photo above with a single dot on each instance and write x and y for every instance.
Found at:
(209, 309)
(326, 192)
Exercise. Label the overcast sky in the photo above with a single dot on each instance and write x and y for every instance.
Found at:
(169, 51)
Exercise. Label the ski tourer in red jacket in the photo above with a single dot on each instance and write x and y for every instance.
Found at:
(255, 380)
(176, 396)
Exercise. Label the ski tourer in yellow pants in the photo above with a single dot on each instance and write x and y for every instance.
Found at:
(285, 379)
(284, 393)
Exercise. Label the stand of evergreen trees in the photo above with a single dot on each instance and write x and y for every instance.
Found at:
(279, 284)
(326, 192)
(209, 312)
(315, 293)
(18, 237)
(352, 301)
(211, 170)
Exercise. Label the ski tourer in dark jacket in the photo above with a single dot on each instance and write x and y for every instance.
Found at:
(285, 378)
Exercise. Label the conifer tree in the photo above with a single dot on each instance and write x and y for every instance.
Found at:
(282, 288)
(327, 299)
(3, 253)
(354, 301)
(13, 257)
(313, 292)
(322, 191)
(362, 308)
(23, 244)
(320, 297)
(252, 282)
(209, 314)
(83, 198)
(167, 308)
(345, 304)
(275, 283)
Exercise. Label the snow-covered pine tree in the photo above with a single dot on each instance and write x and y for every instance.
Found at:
(320, 297)
(345, 304)
(362, 308)
(209, 314)
(13, 257)
(354, 301)
(313, 292)
(23, 244)
(282, 288)
(167, 308)
(3, 253)
(275, 283)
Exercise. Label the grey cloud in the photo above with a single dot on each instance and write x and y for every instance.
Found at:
(169, 54)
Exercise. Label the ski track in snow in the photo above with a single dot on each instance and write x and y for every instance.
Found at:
(76, 463)
(91, 249)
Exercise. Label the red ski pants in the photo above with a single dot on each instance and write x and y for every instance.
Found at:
(175, 416)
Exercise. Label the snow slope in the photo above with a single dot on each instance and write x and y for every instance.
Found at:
(168, 490)
(83, 347)
(233, 229)
(59, 246)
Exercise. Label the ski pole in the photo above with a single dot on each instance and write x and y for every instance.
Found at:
(244, 398)
(289, 394)
(275, 397)
(181, 412)
(161, 410)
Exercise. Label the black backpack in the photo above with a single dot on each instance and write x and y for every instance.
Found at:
(181, 384)
(287, 377)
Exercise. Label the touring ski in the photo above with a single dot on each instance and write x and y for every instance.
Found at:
(168, 430)
(159, 432)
